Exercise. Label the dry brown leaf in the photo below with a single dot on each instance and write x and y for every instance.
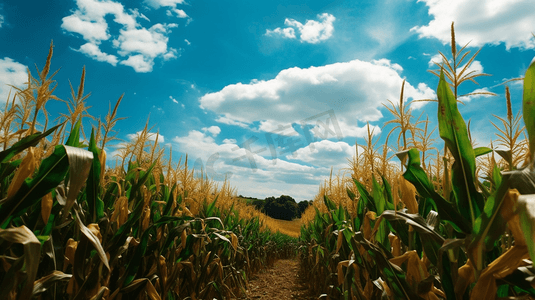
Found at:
(408, 195)
(26, 168)
(466, 277)
(46, 207)
(416, 269)
(70, 249)
(32, 254)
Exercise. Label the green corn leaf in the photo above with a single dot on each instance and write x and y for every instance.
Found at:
(74, 137)
(378, 196)
(489, 226)
(211, 207)
(482, 151)
(50, 174)
(365, 196)
(415, 174)
(528, 105)
(29, 141)
(139, 253)
(94, 203)
(431, 240)
(328, 203)
(525, 208)
(453, 131)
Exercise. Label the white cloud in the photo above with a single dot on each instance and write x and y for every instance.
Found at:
(150, 43)
(354, 90)
(138, 46)
(277, 128)
(231, 160)
(150, 136)
(166, 3)
(288, 32)
(11, 73)
(229, 121)
(93, 51)
(1, 20)
(174, 100)
(139, 63)
(214, 130)
(481, 22)
(93, 31)
(311, 32)
(178, 12)
(187, 42)
(326, 153)
(171, 54)
(437, 58)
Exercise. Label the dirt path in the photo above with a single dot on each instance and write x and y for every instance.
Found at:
(280, 282)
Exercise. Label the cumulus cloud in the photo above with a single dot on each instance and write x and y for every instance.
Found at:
(284, 32)
(248, 170)
(139, 62)
(325, 152)
(311, 32)
(228, 121)
(149, 42)
(437, 58)
(277, 128)
(174, 100)
(94, 52)
(167, 3)
(11, 73)
(1, 20)
(481, 22)
(354, 91)
(136, 45)
(214, 130)
(178, 12)
(172, 6)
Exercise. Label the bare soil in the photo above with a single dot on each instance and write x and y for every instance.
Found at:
(280, 282)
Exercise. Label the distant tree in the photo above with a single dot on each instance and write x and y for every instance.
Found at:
(302, 206)
(283, 207)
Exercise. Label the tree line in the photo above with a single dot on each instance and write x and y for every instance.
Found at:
(283, 208)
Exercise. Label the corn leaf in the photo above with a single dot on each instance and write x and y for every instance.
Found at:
(74, 137)
(453, 131)
(417, 176)
(393, 275)
(50, 174)
(32, 254)
(528, 105)
(94, 203)
(94, 240)
(29, 141)
(43, 284)
(431, 240)
(489, 225)
(79, 163)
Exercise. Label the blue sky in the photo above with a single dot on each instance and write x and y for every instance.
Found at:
(271, 93)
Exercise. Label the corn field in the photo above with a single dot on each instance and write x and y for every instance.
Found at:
(73, 228)
(458, 225)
